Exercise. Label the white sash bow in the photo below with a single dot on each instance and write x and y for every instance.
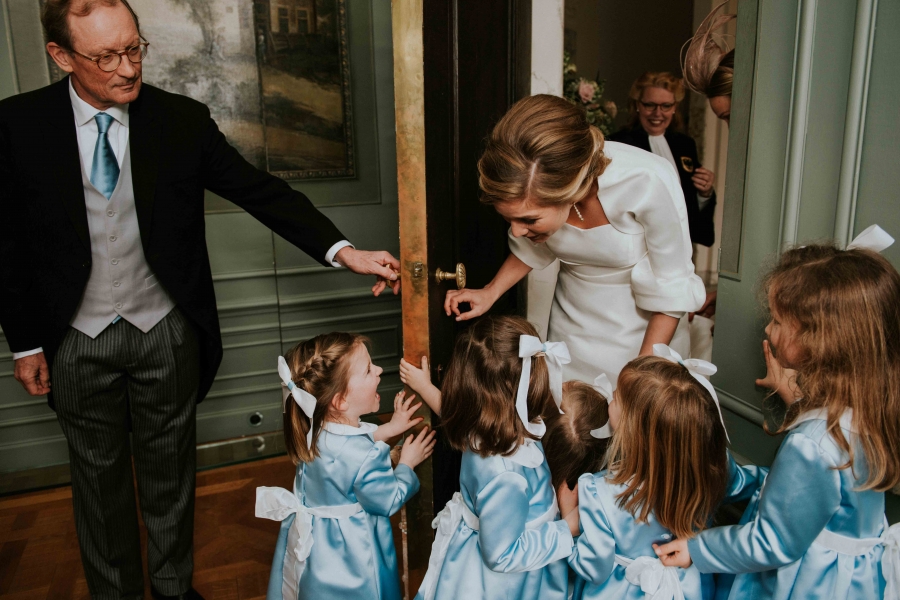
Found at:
(699, 370)
(305, 400)
(446, 523)
(557, 355)
(890, 558)
(890, 561)
(277, 504)
(657, 581)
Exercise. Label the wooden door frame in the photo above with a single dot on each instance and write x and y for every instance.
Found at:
(455, 75)
(409, 107)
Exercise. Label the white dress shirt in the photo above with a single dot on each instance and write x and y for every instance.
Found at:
(86, 133)
(660, 147)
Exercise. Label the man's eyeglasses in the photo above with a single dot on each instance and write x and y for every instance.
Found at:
(110, 62)
(651, 106)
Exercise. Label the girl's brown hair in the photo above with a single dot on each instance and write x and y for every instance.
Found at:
(570, 448)
(663, 80)
(478, 396)
(669, 450)
(846, 307)
(542, 149)
(321, 367)
(708, 66)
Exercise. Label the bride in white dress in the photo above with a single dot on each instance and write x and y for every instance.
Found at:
(615, 217)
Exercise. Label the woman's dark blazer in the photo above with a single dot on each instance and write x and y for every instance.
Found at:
(684, 149)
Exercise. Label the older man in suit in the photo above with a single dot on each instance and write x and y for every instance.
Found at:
(105, 285)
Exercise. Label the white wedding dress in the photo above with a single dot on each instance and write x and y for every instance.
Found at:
(613, 277)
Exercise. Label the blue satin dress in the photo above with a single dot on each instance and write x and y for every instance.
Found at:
(504, 559)
(608, 530)
(352, 557)
(773, 552)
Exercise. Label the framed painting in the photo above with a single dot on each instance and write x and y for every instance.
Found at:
(274, 73)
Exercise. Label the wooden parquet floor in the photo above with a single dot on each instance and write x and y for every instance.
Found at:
(39, 557)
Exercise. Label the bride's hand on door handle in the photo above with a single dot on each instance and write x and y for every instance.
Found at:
(480, 302)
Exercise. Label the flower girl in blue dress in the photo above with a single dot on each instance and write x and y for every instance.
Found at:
(500, 537)
(335, 539)
(668, 471)
(817, 527)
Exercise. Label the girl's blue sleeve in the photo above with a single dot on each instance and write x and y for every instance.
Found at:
(380, 489)
(506, 545)
(595, 550)
(743, 481)
(801, 493)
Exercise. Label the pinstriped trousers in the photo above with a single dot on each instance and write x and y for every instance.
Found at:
(100, 385)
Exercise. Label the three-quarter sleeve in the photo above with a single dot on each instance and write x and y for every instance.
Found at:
(801, 494)
(536, 256)
(664, 279)
(507, 546)
(593, 558)
(380, 489)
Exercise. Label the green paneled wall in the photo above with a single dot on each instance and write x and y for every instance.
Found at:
(821, 80)
(270, 295)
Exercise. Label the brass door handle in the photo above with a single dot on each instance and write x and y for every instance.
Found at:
(459, 275)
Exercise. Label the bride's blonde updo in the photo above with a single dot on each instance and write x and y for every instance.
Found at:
(543, 149)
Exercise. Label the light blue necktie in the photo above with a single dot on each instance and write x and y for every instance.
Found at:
(105, 171)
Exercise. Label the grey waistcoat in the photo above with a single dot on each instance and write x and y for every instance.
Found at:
(121, 281)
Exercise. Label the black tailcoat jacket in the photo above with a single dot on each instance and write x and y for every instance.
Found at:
(684, 150)
(177, 151)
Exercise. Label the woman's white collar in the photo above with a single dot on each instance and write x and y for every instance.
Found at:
(342, 429)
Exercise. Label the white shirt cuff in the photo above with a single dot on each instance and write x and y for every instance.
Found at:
(329, 256)
(18, 355)
(702, 200)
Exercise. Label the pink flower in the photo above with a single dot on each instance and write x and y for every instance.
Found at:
(586, 91)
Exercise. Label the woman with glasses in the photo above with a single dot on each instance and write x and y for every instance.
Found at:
(654, 126)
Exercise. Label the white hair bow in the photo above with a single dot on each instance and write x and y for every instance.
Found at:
(699, 370)
(557, 355)
(602, 385)
(305, 400)
(872, 238)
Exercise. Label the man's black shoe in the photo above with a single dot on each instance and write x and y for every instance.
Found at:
(191, 594)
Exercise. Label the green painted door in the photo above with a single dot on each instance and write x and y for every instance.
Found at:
(270, 295)
(812, 155)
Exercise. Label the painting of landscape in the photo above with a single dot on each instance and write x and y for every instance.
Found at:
(274, 73)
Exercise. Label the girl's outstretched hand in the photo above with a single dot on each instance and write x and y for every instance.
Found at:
(417, 448)
(402, 419)
(419, 379)
(674, 554)
(413, 376)
(779, 379)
